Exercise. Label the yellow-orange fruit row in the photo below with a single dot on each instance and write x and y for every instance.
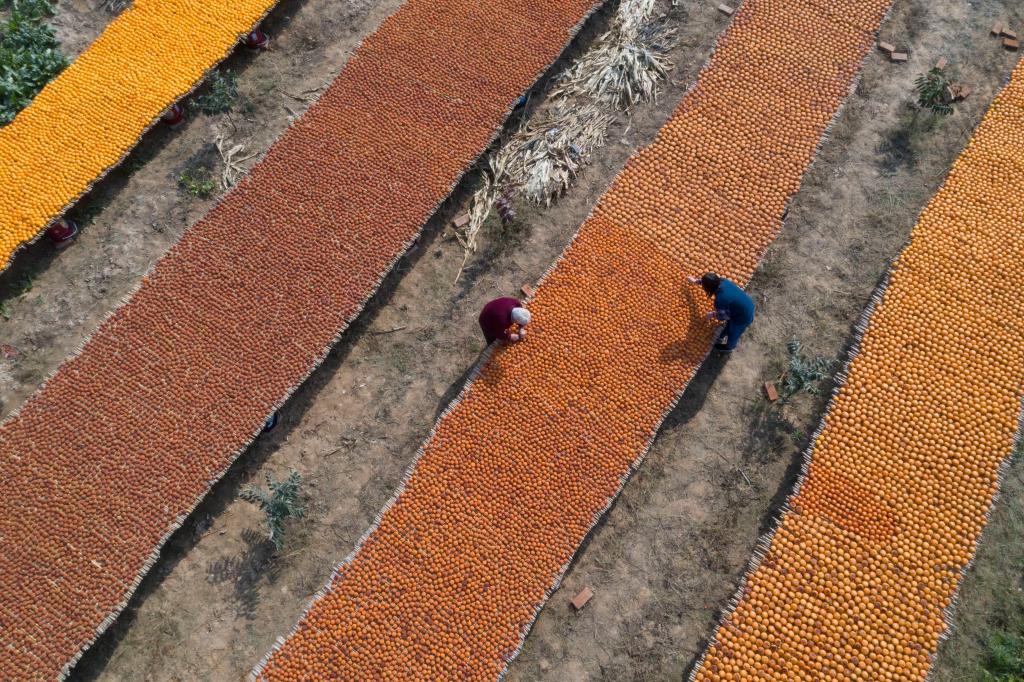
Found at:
(86, 119)
(515, 474)
(124, 440)
(856, 579)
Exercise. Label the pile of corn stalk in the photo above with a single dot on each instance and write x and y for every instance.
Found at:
(542, 158)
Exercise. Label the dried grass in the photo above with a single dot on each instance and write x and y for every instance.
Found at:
(541, 159)
(116, 6)
(232, 157)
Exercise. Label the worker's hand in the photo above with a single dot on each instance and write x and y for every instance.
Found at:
(513, 337)
(693, 280)
(522, 334)
(711, 315)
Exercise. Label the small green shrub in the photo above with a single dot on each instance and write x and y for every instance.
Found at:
(29, 10)
(197, 181)
(21, 288)
(804, 374)
(30, 55)
(279, 503)
(932, 88)
(1005, 660)
(220, 97)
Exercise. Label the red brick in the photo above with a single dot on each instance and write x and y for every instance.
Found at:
(770, 392)
(888, 48)
(528, 291)
(997, 28)
(460, 220)
(725, 9)
(958, 91)
(898, 56)
(581, 599)
(941, 64)
(1011, 44)
(1007, 33)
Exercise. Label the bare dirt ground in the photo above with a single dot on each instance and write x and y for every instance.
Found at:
(76, 23)
(671, 551)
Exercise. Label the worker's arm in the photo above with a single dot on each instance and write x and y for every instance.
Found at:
(720, 314)
(693, 280)
(510, 336)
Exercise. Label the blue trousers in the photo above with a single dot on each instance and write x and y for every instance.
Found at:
(732, 331)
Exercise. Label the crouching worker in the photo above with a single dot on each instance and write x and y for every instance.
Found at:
(732, 306)
(498, 317)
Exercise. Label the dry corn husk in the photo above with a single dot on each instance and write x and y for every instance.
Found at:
(543, 157)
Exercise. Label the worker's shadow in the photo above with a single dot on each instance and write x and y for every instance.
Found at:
(699, 334)
(475, 372)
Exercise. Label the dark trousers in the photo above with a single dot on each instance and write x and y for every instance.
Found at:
(732, 331)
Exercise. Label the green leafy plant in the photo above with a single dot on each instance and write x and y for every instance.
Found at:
(30, 55)
(932, 92)
(804, 374)
(22, 286)
(220, 97)
(19, 289)
(32, 10)
(1005, 660)
(198, 181)
(279, 503)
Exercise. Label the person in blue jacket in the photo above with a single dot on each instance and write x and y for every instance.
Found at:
(732, 306)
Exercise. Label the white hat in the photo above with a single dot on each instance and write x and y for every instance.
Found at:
(521, 316)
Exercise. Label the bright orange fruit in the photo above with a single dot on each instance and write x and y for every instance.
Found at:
(88, 118)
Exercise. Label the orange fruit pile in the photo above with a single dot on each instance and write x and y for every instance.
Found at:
(106, 459)
(88, 118)
(516, 473)
(857, 577)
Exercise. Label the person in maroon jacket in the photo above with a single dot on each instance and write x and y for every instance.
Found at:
(499, 315)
